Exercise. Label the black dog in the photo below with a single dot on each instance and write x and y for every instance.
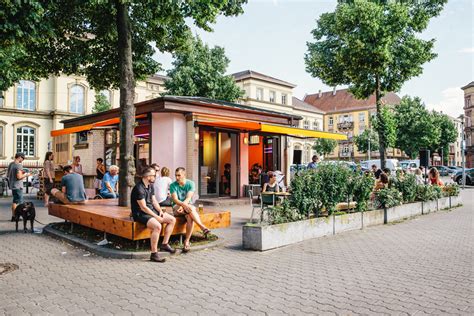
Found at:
(27, 212)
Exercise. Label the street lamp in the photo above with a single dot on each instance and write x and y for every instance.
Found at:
(463, 148)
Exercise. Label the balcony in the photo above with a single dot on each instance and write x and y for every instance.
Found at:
(345, 125)
(345, 154)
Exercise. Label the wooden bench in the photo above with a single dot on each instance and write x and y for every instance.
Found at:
(108, 217)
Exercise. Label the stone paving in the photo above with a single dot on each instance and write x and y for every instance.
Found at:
(422, 266)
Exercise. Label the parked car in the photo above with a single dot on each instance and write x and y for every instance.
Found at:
(391, 164)
(410, 165)
(457, 177)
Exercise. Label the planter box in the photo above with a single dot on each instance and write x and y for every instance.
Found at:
(375, 217)
(430, 206)
(455, 201)
(268, 237)
(403, 211)
(348, 222)
(443, 203)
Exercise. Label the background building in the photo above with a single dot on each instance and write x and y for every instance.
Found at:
(468, 127)
(346, 114)
(455, 150)
(30, 110)
(270, 93)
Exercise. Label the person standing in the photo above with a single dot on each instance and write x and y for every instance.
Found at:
(16, 174)
(100, 171)
(182, 192)
(146, 210)
(48, 176)
(76, 165)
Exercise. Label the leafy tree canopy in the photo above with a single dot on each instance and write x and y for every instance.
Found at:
(362, 141)
(200, 71)
(101, 104)
(324, 146)
(386, 118)
(416, 127)
(447, 134)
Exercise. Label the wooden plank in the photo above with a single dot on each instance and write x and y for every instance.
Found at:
(107, 216)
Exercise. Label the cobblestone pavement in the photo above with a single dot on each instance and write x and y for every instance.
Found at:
(422, 266)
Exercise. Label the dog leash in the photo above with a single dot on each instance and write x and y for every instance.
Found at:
(39, 222)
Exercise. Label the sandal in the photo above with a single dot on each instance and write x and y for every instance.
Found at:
(186, 249)
(206, 232)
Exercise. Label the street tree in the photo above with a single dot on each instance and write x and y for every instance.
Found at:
(109, 42)
(101, 104)
(368, 136)
(388, 132)
(416, 128)
(324, 146)
(200, 71)
(372, 46)
(447, 135)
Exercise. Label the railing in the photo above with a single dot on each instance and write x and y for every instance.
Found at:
(344, 154)
(345, 125)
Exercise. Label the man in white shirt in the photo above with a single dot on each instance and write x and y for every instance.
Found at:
(162, 187)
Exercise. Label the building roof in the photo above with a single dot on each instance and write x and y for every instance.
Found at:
(301, 105)
(469, 85)
(343, 101)
(250, 74)
(160, 77)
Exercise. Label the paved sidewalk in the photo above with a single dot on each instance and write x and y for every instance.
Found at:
(420, 266)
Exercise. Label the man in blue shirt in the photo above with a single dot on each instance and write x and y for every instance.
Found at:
(72, 188)
(110, 183)
(314, 163)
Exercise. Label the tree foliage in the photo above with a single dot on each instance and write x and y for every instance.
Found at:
(447, 135)
(416, 128)
(372, 47)
(200, 71)
(324, 146)
(362, 141)
(386, 125)
(101, 104)
(110, 42)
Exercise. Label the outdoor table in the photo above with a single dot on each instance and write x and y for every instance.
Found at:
(273, 195)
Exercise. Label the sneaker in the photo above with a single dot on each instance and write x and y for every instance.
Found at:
(13, 219)
(167, 248)
(154, 257)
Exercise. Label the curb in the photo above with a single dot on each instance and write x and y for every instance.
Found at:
(114, 253)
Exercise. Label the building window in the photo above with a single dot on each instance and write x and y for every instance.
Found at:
(26, 140)
(26, 95)
(2, 154)
(76, 99)
(361, 117)
(306, 124)
(307, 155)
(315, 125)
(331, 121)
(283, 98)
(259, 94)
(254, 140)
(106, 94)
(2, 99)
(272, 96)
(81, 137)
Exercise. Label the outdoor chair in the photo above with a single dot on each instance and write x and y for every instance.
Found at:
(254, 206)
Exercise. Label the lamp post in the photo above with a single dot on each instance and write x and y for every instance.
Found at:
(463, 154)
(368, 144)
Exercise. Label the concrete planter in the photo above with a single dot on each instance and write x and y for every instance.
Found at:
(347, 222)
(430, 206)
(372, 218)
(403, 211)
(443, 203)
(261, 238)
(455, 201)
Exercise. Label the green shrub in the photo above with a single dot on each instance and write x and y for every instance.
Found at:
(427, 192)
(386, 198)
(331, 184)
(304, 197)
(283, 213)
(362, 185)
(451, 189)
(406, 185)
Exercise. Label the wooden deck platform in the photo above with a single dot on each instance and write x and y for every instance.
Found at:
(107, 216)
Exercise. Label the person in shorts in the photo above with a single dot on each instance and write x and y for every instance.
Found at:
(16, 174)
(146, 210)
(48, 176)
(182, 191)
(100, 172)
(72, 188)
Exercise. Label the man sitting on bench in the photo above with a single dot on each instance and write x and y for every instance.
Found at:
(146, 210)
(182, 191)
(110, 183)
(72, 188)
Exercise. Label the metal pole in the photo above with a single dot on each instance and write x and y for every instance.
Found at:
(369, 145)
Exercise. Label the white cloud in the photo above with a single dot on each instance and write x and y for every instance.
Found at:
(451, 103)
(468, 50)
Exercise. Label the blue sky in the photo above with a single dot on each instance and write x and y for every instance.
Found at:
(270, 37)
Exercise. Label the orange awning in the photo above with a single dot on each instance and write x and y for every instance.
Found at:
(275, 129)
(87, 127)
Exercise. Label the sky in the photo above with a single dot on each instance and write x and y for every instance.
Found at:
(271, 35)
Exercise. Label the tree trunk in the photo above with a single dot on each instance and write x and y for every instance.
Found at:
(380, 127)
(127, 95)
